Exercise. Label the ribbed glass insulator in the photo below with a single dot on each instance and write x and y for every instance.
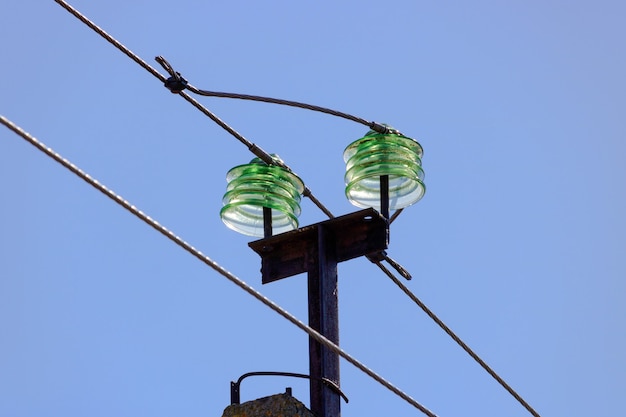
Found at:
(256, 185)
(377, 154)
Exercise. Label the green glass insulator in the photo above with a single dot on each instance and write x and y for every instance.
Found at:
(256, 185)
(377, 154)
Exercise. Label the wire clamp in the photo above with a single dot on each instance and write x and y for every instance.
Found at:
(176, 83)
(378, 257)
(383, 129)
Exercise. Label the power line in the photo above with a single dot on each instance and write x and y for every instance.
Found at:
(458, 340)
(210, 262)
(111, 39)
(176, 83)
(307, 192)
(256, 150)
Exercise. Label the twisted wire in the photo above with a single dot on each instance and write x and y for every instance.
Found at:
(458, 340)
(211, 263)
(182, 84)
(111, 39)
(281, 102)
(256, 150)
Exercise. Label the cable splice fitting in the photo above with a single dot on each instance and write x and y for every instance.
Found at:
(377, 127)
(176, 84)
(385, 130)
(377, 257)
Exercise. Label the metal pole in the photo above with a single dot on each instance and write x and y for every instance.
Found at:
(323, 317)
(317, 249)
(384, 196)
(267, 222)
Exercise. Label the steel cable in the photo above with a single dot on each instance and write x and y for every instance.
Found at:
(281, 102)
(177, 83)
(256, 150)
(458, 340)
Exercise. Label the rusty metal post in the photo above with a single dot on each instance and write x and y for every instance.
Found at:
(384, 196)
(317, 249)
(323, 317)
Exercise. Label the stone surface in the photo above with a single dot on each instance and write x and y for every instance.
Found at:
(280, 405)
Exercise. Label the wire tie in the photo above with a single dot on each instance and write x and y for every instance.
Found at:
(377, 127)
(385, 130)
(176, 83)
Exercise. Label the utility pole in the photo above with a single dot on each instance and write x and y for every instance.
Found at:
(317, 249)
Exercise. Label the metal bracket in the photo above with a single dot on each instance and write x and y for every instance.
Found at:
(235, 392)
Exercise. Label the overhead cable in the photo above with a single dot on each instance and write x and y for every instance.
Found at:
(211, 263)
(458, 340)
(176, 84)
(256, 150)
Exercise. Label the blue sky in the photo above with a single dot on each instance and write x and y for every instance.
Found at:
(518, 245)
